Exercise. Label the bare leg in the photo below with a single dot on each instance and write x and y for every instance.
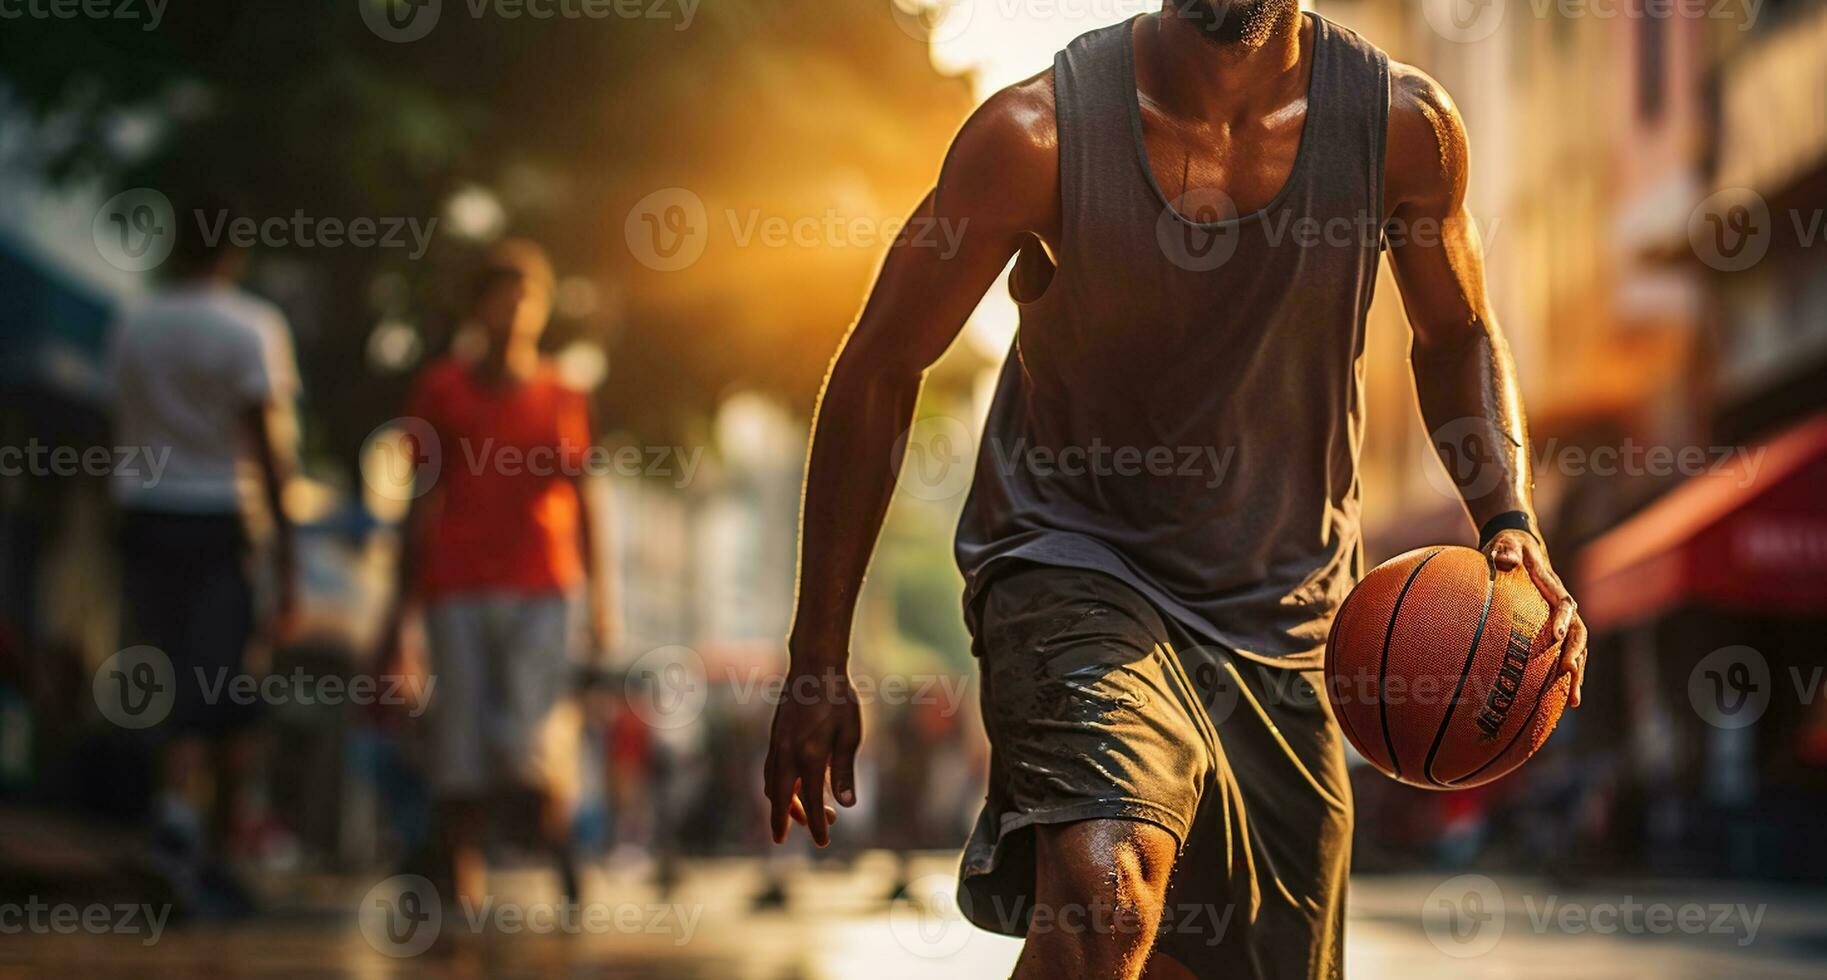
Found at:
(555, 833)
(460, 824)
(1098, 899)
(232, 760)
(186, 769)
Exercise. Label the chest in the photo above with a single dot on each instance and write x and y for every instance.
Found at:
(487, 419)
(1250, 161)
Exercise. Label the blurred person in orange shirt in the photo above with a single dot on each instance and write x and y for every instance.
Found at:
(498, 550)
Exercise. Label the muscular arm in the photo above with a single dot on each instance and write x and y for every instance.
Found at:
(998, 187)
(1464, 376)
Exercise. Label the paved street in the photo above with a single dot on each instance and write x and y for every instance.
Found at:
(836, 924)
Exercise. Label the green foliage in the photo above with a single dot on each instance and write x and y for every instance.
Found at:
(300, 106)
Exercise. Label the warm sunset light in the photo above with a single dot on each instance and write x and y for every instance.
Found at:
(523, 488)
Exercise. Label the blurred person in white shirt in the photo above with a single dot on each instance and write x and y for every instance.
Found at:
(203, 376)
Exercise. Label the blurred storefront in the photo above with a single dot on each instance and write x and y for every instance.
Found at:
(1708, 603)
(1674, 391)
(53, 324)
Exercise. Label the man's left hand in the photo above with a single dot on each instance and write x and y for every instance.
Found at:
(1520, 549)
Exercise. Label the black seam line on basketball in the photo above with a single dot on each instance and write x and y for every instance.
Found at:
(1490, 592)
(1548, 682)
(1389, 744)
(1341, 716)
(1344, 722)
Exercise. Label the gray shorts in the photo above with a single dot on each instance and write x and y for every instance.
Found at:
(1099, 707)
(502, 664)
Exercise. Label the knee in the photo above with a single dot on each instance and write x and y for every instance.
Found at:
(1101, 891)
(1132, 882)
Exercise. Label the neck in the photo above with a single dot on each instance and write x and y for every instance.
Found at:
(1205, 69)
(516, 359)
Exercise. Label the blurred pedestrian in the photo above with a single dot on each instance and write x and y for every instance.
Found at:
(203, 379)
(498, 550)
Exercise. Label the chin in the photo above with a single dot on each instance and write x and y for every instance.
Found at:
(1235, 21)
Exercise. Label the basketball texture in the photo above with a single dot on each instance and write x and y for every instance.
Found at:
(1441, 669)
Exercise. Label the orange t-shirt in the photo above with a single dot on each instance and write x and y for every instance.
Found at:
(505, 517)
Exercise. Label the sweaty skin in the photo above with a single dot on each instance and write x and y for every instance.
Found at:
(1226, 116)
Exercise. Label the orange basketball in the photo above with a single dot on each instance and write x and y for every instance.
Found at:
(1442, 671)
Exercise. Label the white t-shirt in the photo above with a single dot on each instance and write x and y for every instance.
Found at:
(187, 364)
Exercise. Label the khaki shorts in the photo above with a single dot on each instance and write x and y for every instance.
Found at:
(1098, 707)
(502, 664)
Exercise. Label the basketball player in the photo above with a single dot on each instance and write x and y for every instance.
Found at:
(1197, 200)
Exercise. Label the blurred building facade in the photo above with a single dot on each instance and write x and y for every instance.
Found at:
(1676, 384)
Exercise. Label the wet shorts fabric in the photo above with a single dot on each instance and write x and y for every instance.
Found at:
(502, 663)
(1099, 707)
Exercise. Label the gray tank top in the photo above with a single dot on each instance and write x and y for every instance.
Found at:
(1181, 408)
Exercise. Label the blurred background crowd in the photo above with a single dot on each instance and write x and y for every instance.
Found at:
(715, 185)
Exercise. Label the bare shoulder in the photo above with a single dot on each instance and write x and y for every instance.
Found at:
(1019, 120)
(1004, 162)
(1427, 162)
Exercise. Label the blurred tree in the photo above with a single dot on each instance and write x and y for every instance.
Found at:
(775, 113)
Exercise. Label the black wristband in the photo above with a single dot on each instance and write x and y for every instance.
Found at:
(1509, 520)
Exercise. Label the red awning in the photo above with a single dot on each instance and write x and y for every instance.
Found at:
(1749, 535)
